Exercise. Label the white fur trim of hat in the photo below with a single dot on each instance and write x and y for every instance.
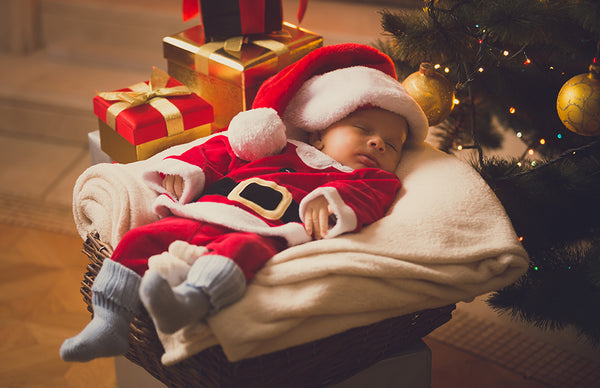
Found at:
(327, 98)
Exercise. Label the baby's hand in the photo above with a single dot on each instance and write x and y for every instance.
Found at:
(174, 185)
(316, 217)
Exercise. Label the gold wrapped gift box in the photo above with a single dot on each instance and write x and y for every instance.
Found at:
(228, 73)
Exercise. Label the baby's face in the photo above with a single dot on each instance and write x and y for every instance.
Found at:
(366, 138)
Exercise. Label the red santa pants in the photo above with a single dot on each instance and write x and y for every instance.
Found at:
(248, 250)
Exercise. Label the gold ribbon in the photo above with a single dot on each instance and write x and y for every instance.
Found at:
(233, 46)
(153, 94)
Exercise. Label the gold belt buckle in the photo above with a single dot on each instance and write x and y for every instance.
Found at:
(271, 214)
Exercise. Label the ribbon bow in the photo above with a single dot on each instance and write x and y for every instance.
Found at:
(152, 93)
(146, 92)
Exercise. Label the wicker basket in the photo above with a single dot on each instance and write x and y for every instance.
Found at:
(317, 364)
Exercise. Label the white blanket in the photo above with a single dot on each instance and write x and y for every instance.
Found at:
(111, 198)
(446, 239)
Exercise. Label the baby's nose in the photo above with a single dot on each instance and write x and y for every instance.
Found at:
(377, 143)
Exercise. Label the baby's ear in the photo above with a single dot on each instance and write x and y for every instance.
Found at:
(314, 139)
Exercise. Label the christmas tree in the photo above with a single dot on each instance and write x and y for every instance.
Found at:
(514, 62)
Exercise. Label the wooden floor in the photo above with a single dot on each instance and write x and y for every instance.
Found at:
(40, 306)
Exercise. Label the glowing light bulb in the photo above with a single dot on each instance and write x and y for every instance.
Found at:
(527, 61)
(480, 70)
(519, 135)
(459, 148)
(446, 70)
(542, 141)
(437, 66)
(505, 53)
(456, 101)
(531, 151)
(512, 110)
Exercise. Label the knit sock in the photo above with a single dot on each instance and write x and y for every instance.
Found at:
(172, 308)
(213, 282)
(105, 336)
(115, 302)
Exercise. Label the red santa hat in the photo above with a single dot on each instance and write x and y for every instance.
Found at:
(318, 90)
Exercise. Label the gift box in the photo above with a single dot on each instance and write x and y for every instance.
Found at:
(223, 19)
(138, 121)
(226, 18)
(228, 73)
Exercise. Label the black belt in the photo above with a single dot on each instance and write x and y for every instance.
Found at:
(253, 192)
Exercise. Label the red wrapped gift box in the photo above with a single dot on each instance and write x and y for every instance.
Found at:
(138, 121)
(223, 19)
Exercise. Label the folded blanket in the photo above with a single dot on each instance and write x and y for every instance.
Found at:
(111, 198)
(446, 239)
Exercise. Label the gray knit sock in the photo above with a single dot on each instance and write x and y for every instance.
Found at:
(171, 310)
(115, 302)
(212, 283)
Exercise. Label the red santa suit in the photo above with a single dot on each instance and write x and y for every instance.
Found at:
(250, 210)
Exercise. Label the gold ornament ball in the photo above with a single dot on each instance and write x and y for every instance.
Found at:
(432, 91)
(578, 103)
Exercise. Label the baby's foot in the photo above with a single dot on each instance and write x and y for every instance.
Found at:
(105, 336)
(171, 309)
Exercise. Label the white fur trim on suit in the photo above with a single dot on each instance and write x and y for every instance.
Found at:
(193, 178)
(346, 220)
(257, 133)
(327, 98)
(232, 217)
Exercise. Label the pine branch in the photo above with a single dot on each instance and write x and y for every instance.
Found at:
(485, 46)
(557, 292)
(555, 208)
(558, 201)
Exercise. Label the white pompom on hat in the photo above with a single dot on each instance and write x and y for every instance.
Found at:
(318, 90)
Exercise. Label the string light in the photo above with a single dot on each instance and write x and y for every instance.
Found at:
(512, 110)
(519, 135)
(505, 53)
(527, 61)
(533, 163)
(480, 70)
(456, 101)
(437, 66)
(542, 141)
(446, 70)
(531, 151)
(521, 238)
(459, 148)
(559, 136)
